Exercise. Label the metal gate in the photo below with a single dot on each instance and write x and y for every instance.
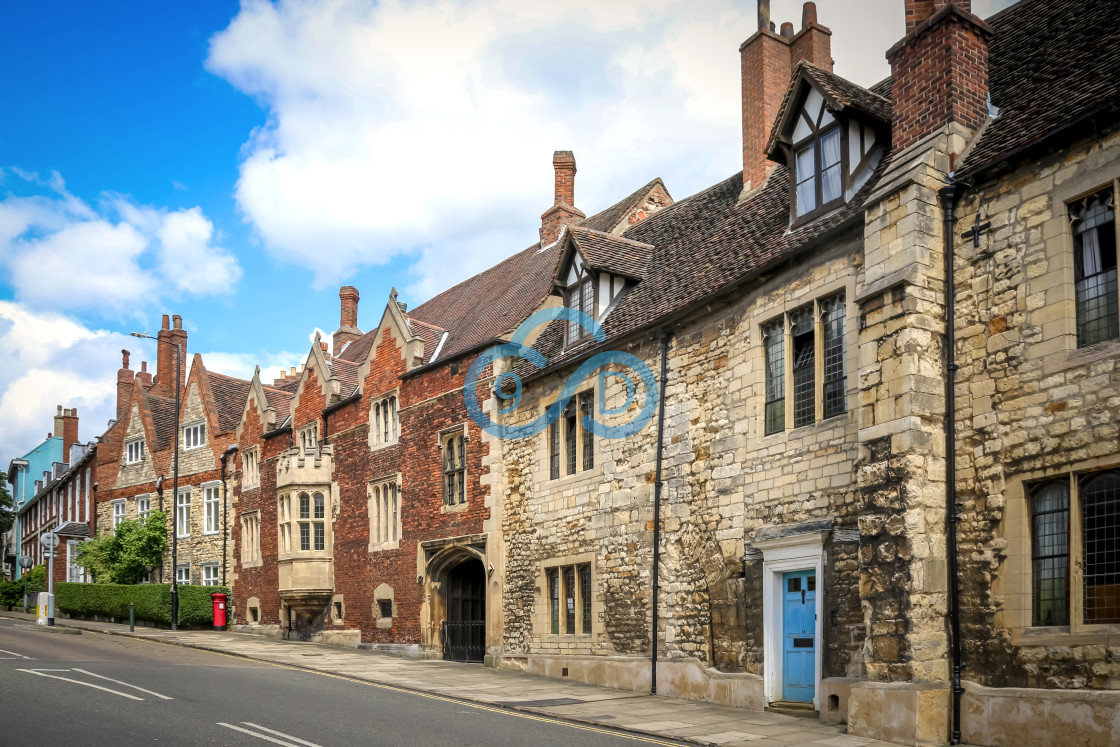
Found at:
(463, 635)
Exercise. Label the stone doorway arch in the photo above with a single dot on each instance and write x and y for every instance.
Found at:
(456, 578)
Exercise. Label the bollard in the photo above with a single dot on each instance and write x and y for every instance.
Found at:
(132, 617)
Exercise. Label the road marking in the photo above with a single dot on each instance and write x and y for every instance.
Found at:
(77, 682)
(14, 655)
(279, 733)
(293, 743)
(558, 721)
(119, 682)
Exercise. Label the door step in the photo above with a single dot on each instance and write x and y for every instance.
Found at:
(789, 708)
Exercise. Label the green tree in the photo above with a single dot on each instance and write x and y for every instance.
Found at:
(125, 556)
(31, 582)
(7, 506)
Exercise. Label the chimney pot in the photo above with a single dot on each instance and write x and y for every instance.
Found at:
(808, 15)
(124, 358)
(166, 322)
(564, 164)
(143, 367)
(177, 321)
(293, 370)
(60, 409)
(764, 15)
(787, 29)
(402, 306)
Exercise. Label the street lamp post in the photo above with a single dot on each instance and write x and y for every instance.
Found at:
(174, 480)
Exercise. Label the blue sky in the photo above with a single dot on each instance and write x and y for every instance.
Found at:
(236, 162)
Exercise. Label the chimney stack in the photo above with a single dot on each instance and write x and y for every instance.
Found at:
(143, 378)
(939, 71)
(348, 319)
(563, 211)
(66, 425)
(125, 379)
(767, 62)
(172, 332)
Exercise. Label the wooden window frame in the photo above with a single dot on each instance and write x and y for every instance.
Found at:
(819, 132)
(128, 455)
(560, 579)
(1074, 233)
(194, 436)
(584, 276)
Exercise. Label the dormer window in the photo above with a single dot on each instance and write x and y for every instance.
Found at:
(818, 158)
(579, 295)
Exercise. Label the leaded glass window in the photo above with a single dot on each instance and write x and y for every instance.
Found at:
(832, 332)
(586, 407)
(1050, 553)
(570, 435)
(1100, 543)
(554, 450)
(580, 295)
(774, 346)
(1093, 222)
(802, 333)
(818, 163)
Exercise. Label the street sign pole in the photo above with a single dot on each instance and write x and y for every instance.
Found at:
(50, 542)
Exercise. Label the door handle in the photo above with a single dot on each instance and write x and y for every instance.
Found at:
(803, 596)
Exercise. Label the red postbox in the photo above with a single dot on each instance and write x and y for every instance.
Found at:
(219, 610)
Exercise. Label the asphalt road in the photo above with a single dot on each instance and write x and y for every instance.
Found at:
(95, 689)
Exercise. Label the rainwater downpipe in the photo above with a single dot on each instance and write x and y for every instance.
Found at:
(948, 195)
(225, 510)
(657, 502)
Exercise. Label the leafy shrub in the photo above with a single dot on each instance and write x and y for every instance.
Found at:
(153, 601)
(11, 594)
(124, 556)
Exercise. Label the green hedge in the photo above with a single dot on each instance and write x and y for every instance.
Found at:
(153, 602)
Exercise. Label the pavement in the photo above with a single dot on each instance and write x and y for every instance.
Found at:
(656, 716)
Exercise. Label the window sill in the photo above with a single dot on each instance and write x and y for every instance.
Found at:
(829, 422)
(385, 445)
(182, 536)
(1064, 635)
(567, 637)
(208, 534)
(384, 546)
(193, 448)
(457, 508)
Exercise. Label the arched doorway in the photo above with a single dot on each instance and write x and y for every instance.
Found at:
(463, 636)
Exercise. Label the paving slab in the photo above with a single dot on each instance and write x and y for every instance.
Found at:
(668, 718)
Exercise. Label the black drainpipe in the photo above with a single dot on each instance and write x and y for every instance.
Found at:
(948, 195)
(225, 510)
(657, 502)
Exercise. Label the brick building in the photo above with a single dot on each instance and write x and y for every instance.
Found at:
(61, 502)
(136, 457)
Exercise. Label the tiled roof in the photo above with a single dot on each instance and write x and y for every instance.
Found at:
(278, 400)
(605, 251)
(73, 529)
(357, 350)
(163, 420)
(347, 374)
(429, 333)
(493, 302)
(289, 385)
(607, 219)
(229, 397)
(840, 92)
(705, 246)
(1051, 64)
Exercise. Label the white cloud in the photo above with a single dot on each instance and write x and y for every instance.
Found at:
(64, 254)
(53, 360)
(241, 365)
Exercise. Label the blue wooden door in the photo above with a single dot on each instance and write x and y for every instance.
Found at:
(799, 625)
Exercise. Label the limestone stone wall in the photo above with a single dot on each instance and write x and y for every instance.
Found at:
(723, 479)
(144, 470)
(1032, 406)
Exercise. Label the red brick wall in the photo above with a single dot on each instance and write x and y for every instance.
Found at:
(940, 75)
(766, 71)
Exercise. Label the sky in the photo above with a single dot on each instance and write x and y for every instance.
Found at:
(237, 163)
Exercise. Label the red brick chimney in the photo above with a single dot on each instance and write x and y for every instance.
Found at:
(348, 322)
(66, 425)
(767, 62)
(563, 210)
(939, 70)
(164, 384)
(125, 380)
(143, 378)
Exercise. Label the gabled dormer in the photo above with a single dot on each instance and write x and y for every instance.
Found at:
(831, 133)
(594, 271)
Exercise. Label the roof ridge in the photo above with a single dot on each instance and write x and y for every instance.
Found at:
(613, 237)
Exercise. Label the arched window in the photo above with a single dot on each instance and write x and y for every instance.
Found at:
(1050, 553)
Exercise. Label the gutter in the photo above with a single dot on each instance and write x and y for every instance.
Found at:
(948, 197)
(277, 432)
(657, 484)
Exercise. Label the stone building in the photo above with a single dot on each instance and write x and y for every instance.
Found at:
(136, 461)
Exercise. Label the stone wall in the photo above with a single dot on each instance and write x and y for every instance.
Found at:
(1032, 406)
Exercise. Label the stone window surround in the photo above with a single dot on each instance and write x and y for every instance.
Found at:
(763, 315)
(1012, 583)
(542, 472)
(383, 593)
(375, 443)
(796, 552)
(373, 512)
(251, 604)
(213, 566)
(212, 485)
(130, 454)
(290, 519)
(251, 551)
(1059, 345)
(183, 567)
(440, 438)
(119, 512)
(140, 514)
(200, 437)
(339, 604)
(307, 439)
(542, 624)
(250, 468)
(183, 528)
